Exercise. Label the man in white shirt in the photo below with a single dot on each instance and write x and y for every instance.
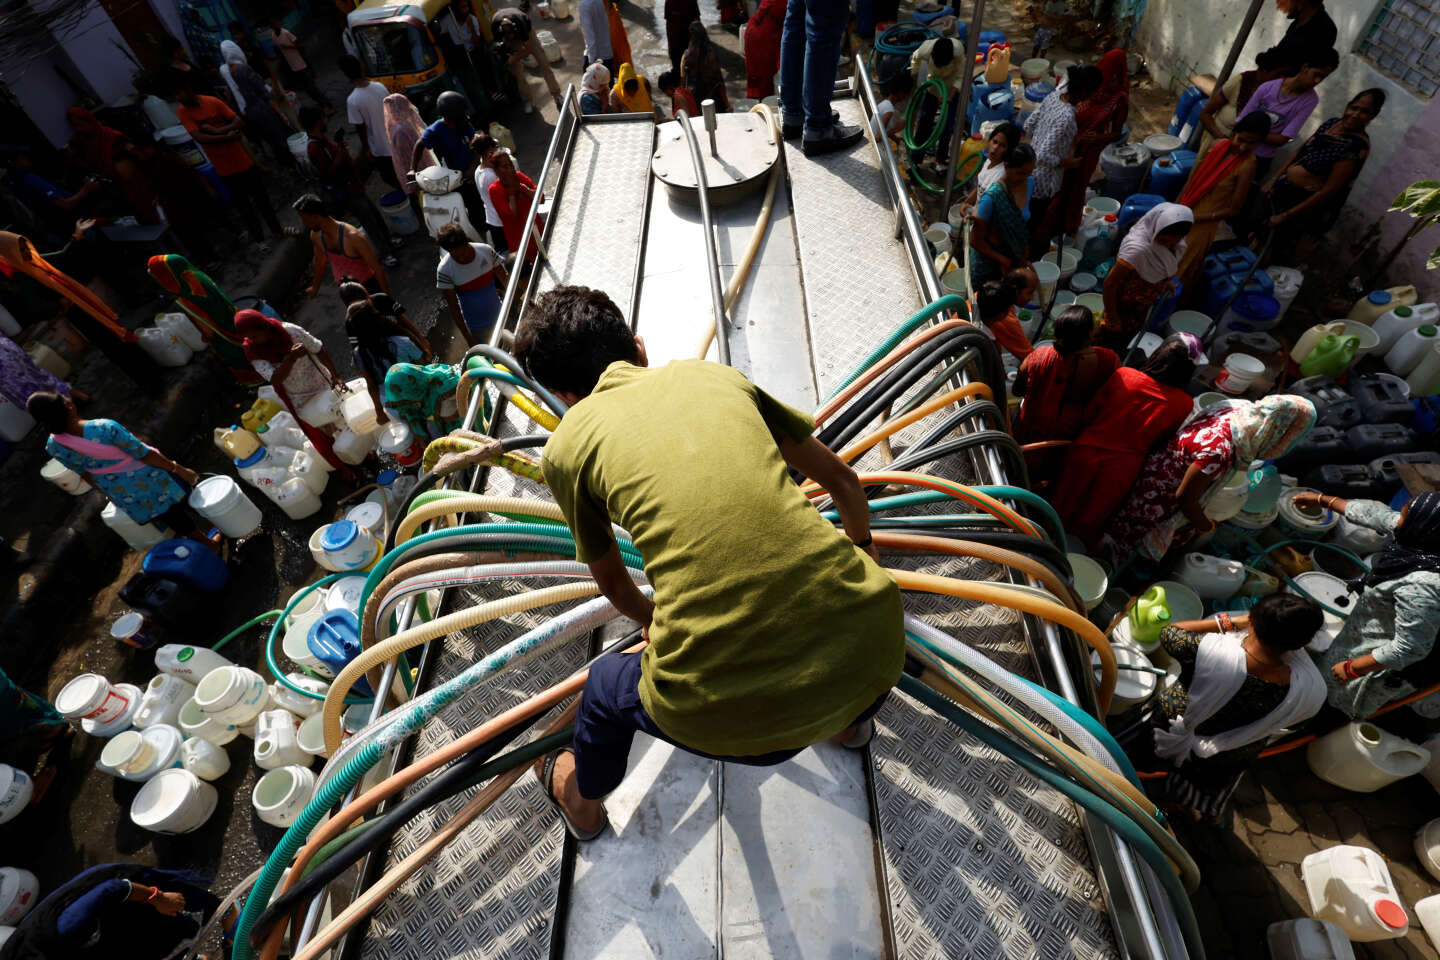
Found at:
(365, 110)
(595, 25)
(486, 148)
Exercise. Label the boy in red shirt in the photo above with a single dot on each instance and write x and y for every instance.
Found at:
(217, 129)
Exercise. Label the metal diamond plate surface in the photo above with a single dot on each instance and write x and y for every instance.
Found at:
(858, 284)
(595, 236)
(491, 892)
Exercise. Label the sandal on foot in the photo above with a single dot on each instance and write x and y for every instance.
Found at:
(860, 739)
(547, 778)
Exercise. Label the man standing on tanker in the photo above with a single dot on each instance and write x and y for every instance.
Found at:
(770, 630)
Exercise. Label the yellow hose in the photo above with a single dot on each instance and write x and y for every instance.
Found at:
(742, 272)
(892, 427)
(1001, 597)
(475, 503)
(416, 635)
(514, 462)
(527, 406)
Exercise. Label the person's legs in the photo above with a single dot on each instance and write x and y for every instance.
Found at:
(241, 201)
(251, 184)
(538, 52)
(385, 167)
(824, 26)
(497, 238)
(474, 206)
(792, 64)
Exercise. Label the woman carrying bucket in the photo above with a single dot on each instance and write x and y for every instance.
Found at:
(380, 335)
(1143, 272)
(1167, 505)
(140, 480)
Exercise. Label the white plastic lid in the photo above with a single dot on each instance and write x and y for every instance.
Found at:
(127, 626)
(161, 795)
(345, 594)
(122, 749)
(82, 694)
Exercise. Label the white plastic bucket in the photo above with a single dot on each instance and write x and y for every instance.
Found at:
(310, 468)
(299, 144)
(395, 207)
(196, 724)
(1190, 321)
(221, 501)
(64, 478)
(173, 801)
(311, 736)
(91, 697)
(1068, 260)
(19, 890)
(954, 282)
(1091, 581)
(16, 786)
(1241, 371)
(178, 139)
(1049, 273)
(281, 794)
(232, 695)
(1034, 69)
(359, 411)
(939, 238)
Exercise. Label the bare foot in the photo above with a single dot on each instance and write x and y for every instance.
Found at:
(587, 815)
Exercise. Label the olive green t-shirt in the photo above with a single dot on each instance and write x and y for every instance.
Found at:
(772, 631)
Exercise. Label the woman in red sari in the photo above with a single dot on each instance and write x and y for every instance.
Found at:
(1098, 121)
(762, 48)
(1058, 383)
(1134, 410)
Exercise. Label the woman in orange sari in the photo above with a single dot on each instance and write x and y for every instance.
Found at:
(1098, 121)
(1217, 190)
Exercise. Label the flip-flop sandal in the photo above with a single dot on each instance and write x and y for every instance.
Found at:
(547, 778)
(860, 739)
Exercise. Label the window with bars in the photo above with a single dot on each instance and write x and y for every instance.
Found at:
(1404, 41)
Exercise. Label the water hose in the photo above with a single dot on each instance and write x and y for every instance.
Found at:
(497, 355)
(857, 383)
(962, 548)
(757, 236)
(950, 303)
(1047, 609)
(252, 622)
(889, 429)
(474, 503)
(958, 491)
(1121, 824)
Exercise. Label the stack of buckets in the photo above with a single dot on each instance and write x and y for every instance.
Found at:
(1255, 309)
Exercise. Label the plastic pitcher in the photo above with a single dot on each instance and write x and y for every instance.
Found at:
(236, 442)
(1149, 615)
(1311, 337)
(1350, 887)
(1330, 357)
(997, 63)
(1363, 758)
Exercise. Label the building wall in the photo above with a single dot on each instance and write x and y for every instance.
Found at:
(1179, 38)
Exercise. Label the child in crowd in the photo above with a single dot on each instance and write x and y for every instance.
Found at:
(995, 304)
(890, 114)
(680, 96)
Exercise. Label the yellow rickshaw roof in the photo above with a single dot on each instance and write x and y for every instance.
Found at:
(425, 10)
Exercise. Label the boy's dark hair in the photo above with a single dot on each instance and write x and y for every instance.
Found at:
(570, 336)
(451, 236)
(310, 204)
(1284, 621)
(1327, 58)
(995, 297)
(1072, 329)
(483, 143)
(668, 81)
(309, 116)
(49, 410)
(1257, 123)
(350, 66)
(943, 53)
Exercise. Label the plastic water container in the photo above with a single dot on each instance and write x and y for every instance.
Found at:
(397, 440)
(204, 759)
(183, 330)
(173, 802)
(1391, 324)
(1132, 687)
(164, 347)
(347, 547)
(1240, 373)
(1424, 380)
(357, 409)
(1148, 616)
(1252, 312)
(234, 695)
(236, 442)
(1334, 593)
(280, 795)
(1187, 113)
(1124, 166)
(1211, 577)
(297, 499)
(19, 891)
(138, 755)
(91, 697)
(309, 468)
(281, 430)
(335, 640)
(1333, 406)
(1035, 68)
(139, 536)
(352, 447)
(1306, 938)
(399, 218)
(1136, 205)
(161, 703)
(1427, 849)
(311, 736)
(1350, 887)
(1359, 540)
(1049, 274)
(1410, 348)
(1377, 303)
(1370, 440)
(297, 703)
(188, 561)
(275, 744)
(1098, 242)
(1427, 911)
(1363, 758)
(1382, 398)
(64, 478)
(1287, 282)
(1386, 474)
(1301, 523)
(1090, 579)
(221, 501)
(1168, 173)
(196, 724)
(16, 788)
(1068, 261)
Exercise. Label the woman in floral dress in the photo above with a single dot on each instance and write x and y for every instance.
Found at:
(1179, 479)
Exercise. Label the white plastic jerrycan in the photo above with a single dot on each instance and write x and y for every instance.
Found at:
(1304, 938)
(187, 662)
(164, 696)
(1350, 887)
(1364, 758)
(1211, 577)
(275, 740)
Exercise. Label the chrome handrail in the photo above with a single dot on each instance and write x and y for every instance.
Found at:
(569, 111)
(1152, 908)
(722, 324)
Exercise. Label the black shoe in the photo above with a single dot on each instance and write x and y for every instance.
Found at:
(793, 130)
(838, 137)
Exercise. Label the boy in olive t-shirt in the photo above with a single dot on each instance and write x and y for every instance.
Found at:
(770, 630)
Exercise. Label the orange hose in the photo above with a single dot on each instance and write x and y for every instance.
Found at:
(1015, 600)
(959, 491)
(984, 551)
(838, 401)
(892, 427)
(1298, 742)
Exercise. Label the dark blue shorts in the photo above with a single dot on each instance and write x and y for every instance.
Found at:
(610, 714)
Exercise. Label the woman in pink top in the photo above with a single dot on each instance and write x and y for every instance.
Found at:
(1289, 102)
(350, 255)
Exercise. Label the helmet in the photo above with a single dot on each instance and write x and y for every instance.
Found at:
(452, 105)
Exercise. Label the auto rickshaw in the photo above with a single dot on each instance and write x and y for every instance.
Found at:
(399, 44)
